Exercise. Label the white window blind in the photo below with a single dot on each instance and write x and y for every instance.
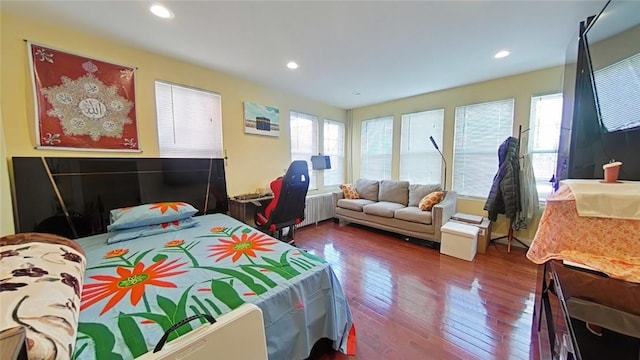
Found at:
(618, 87)
(479, 131)
(544, 135)
(333, 146)
(376, 147)
(189, 122)
(420, 162)
(304, 140)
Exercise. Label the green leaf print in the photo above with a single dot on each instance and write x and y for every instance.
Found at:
(162, 320)
(168, 306)
(226, 293)
(312, 257)
(181, 313)
(132, 335)
(247, 280)
(174, 312)
(159, 257)
(257, 274)
(286, 265)
(103, 340)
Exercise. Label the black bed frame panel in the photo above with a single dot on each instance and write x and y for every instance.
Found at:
(72, 197)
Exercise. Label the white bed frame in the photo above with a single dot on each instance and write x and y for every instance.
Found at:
(238, 334)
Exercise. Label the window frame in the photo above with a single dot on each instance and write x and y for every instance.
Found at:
(313, 179)
(388, 122)
(488, 151)
(336, 166)
(216, 146)
(426, 149)
(532, 137)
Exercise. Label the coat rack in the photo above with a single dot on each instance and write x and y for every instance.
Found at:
(510, 237)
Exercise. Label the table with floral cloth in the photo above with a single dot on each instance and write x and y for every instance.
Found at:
(611, 246)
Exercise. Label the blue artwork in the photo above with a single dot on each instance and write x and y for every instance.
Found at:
(261, 120)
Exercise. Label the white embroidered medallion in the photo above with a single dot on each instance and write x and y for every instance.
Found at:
(86, 106)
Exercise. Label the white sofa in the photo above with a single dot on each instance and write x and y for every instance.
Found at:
(393, 206)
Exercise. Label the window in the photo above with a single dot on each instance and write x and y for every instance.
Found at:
(479, 131)
(376, 147)
(189, 122)
(334, 148)
(420, 162)
(544, 134)
(619, 94)
(304, 140)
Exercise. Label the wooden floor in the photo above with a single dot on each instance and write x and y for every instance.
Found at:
(410, 302)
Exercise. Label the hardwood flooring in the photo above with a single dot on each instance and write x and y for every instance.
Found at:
(410, 302)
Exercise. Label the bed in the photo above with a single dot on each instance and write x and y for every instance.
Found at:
(135, 290)
(138, 286)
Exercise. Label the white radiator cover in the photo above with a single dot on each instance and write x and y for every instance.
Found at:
(318, 208)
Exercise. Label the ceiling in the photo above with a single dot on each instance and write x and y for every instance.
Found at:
(351, 53)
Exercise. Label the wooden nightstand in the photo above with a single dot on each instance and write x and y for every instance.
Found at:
(13, 344)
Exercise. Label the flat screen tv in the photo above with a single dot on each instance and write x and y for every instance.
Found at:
(612, 41)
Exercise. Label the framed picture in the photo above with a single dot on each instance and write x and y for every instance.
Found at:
(261, 120)
(82, 103)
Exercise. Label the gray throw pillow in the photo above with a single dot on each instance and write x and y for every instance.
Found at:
(368, 189)
(394, 191)
(417, 192)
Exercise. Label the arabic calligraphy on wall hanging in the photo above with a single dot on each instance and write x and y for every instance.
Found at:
(82, 103)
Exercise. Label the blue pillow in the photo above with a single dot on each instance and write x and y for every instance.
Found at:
(148, 230)
(149, 214)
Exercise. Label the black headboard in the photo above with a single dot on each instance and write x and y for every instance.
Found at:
(72, 197)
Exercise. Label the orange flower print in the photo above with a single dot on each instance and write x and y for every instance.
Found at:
(167, 224)
(116, 253)
(174, 243)
(133, 281)
(217, 229)
(245, 245)
(166, 206)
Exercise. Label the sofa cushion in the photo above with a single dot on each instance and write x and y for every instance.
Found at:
(349, 191)
(417, 192)
(368, 189)
(353, 204)
(382, 208)
(413, 214)
(430, 200)
(394, 191)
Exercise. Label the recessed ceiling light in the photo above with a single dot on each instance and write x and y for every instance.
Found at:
(161, 11)
(292, 65)
(501, 54)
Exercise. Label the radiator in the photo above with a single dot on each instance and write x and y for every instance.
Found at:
(318, 208)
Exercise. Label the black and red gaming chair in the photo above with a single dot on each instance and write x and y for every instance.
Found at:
(287, 207)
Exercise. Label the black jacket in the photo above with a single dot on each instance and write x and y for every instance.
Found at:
(504, 197)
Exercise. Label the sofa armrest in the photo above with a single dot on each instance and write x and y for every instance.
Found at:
(443, 211)
(337, 195)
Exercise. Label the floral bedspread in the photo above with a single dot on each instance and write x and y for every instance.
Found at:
(135, 290)
(40, 281)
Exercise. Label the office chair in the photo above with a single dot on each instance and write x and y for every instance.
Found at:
(287, 207)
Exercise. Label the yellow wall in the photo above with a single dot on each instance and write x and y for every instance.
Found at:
(248, 166)
(253, 160)
(6, 214)
(521, 87)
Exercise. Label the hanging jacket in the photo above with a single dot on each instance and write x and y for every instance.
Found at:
(504, 197)
(528, 194)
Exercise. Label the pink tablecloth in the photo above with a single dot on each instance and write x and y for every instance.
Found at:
(611, 246)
